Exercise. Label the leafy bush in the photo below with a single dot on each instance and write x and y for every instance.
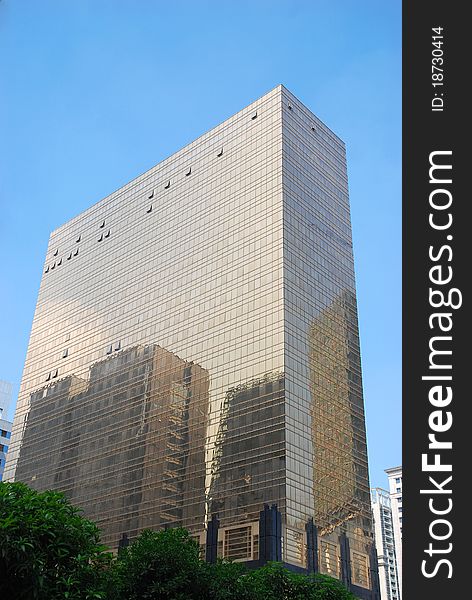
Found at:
(164, 564)
(47, 549)
(275, 582)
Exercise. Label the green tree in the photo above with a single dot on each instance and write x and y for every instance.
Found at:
(275, 582)
(161, 565)
(48, 551)
(167, 565)
(328, 588)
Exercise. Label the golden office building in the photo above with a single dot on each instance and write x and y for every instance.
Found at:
(195, 348)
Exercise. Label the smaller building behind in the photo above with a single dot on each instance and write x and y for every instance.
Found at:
(385, 545)
(5, 433)
(395, 486)
(5, 425)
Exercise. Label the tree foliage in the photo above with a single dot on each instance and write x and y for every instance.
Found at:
(275, 582)
(164, 565)
(47, 549)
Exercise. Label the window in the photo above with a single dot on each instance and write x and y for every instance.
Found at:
(189, 170)
(107, 235)
(329, 563)
(70, 256)
(102, 225)
(56, 251)
(220, 153)
(151, 194)
(237, 543)
(254, 116)
(47, 269)
(255, 545)
(110, 349)
(78, 239)
(55, 373)
(398, 490)
(65, 353)
(360, 569)
(118, 346)
(149, 209)
(397, 480)
(313, 128)
(100, 238)
(59, 263)
(76, 252)
(289, 107)
(167, 185)
(53, 266)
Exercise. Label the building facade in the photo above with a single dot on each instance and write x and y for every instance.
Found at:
(395, 481)
(385, 544)
(5, 399)
(5, 423)
(5, 435)
(195, 342)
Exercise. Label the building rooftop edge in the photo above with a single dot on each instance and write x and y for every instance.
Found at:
(278, 87)
(393, 469)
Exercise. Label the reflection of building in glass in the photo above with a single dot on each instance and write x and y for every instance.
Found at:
(248, 468)
(128, 445)
(326, 458)
(340, 471)
(385, 544)
(234, 255)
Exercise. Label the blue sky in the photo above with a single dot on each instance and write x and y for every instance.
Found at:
(95, 92)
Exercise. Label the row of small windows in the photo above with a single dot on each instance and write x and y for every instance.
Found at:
(104, 236)
(114, 347)
(59, 262)
(52, 375)
(75, 252)
(187, 173)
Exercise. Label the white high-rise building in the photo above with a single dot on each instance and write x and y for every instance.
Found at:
(395, 488)
(385, 545)
(5, 424)
(5, 398)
